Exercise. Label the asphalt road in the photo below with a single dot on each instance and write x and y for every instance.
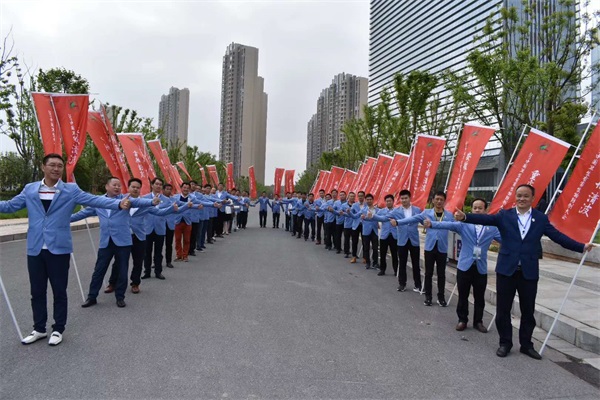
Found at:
(261, 315)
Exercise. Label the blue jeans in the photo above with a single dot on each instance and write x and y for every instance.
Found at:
(105, 255)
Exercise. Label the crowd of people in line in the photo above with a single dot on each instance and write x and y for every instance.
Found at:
(141, 227)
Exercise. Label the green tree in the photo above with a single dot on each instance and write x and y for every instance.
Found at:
(13, 172)
(61, 80)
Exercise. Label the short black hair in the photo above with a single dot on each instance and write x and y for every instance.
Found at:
(286, 193)
(343, 191)
(368, 195)
(153, 181)
(321, 190)
(52, 155)
(185, 183)
(208, 185)
(167, 185)
(361, 191)
(440, 193)
(349, 193)
(334, 190)
(485, 203)
(134, 180)
(110, 178)
(389, 196)
(194, 182)
(311, 194)
(405, 192)
(527, 186)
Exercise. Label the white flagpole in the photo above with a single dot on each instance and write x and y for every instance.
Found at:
(575, 155)
(90, 235)
(513, 156)
(452, 294)
(568, 290)
(10, 309)
(77, 274)
(458, 135)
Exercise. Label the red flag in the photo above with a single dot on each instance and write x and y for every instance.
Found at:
(212, 171)
(325, 183)
(391, 183)
(278, 179)
(379, 175)
(536, 163)
(173, 178)
(147, 160)
(99, 134)
(156, 149)
(230, 181)
(427, 156)
(334, 179)
(347, 179)
(47, 124)
(176, 176)
(473, 140)
(115, 143)
(318, 185)
(252, 182)
(71, 113)
(289, 180)
(363, 178)
(577, 209)
(359, 172)
(182, 167)
(133, 146)
(203, 174)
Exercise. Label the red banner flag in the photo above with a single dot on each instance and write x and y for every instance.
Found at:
(347, 180)
(133, 146)
(536, 163)
(473, 140)
(203, 174)
(47, 124)
(379, 175)
(230, 181)
(289, 180)
(182, 167)
(99, 134)
(365, 174)
(391, 183)
(176, 176)
(318, 185)
(335, 176)
(156, 149)
(325, 183)
(173, 178)
(115, 143)
(359, 172)
(212, 171)
(577, 209)
(252, 182)
(72, 115)
(278, 178)
(427, 155)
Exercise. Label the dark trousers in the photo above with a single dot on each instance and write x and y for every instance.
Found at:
(288, 222)
(194, 237)
(219, 223)
(328, 228)
(435, 258)
(276, 220)
(105, 255)
(298, 222)
(138, 250)
(506, 286)
(210, 232)
(154, 243)
(169, 245)
(242, 219)
(347, 236)
(371, 242)
(43, 268)
(338, 229)
(356, 233)
(403, 252)
(262, 218)
(309, 224)
(464, 281)
(383, 248)
(320, 221)
(202, 236)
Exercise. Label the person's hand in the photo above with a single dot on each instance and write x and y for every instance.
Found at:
(217, 205)
(459, 215)
(125, 203)
(588, 247)
(369, 215)
(427, 223)
(330, 208)
(393, 222)
(200, 206)
(362, 216)
(156, 200)
(190, 204)
(175, 207)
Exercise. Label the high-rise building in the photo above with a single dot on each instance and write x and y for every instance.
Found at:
(342, 100)
(173, 115)
(243, 131)
(595, 103)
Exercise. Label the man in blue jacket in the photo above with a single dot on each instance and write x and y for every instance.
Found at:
(300, 210)
(49, 205)
(436, 247)
(276, 208)
(388, 237)
(348, 224)
(338, 229)
(472, 264)
(320, 214)
(155, 229)
(370, 230)
(309, 217)
(329, 219)
(356, 224)
(264, 202)
(517, 268)
(169, 231)
(115, 240)
(408, 243)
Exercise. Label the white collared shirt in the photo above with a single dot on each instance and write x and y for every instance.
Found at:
(407, 211)
(524, 222)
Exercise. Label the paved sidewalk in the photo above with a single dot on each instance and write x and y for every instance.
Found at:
(16, 229)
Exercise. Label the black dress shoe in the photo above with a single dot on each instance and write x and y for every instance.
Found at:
(380, 273)
(346, 255)
(531, 353)
(193, 254)
(338, 251)
(503, 351)
(89, 303)
(146, 276)
(121, 303)
(169, 265)
(160, 276)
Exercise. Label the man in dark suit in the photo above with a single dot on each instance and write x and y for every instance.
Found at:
(517, 269)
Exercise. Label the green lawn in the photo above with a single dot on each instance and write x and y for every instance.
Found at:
(23, 213)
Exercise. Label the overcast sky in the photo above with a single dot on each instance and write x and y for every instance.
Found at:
(132, 52)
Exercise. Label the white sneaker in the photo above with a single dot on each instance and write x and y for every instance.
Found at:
(55, 339)
(34, 337)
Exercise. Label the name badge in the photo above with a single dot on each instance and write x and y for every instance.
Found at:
(476, 253)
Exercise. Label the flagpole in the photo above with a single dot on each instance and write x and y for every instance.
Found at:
(10, 309)
(77, 274)
(452, 161)
(569, 290)
(90, 235)
(513, 156)
(575, 155)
